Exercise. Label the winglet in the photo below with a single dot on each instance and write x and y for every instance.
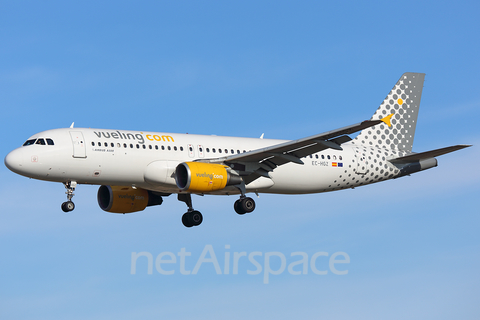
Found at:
(71, 126)
(387, 120)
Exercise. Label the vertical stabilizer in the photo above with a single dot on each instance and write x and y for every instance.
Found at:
(403, 102)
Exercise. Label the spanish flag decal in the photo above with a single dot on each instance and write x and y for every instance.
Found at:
(334, 164)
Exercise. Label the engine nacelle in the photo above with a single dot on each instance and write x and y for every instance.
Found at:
(126, 199)
(204, 177)
(417, 166)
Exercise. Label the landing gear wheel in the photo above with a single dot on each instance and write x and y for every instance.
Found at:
(244, 205)
(248, 204)
(68, 206)
(192, 218)
(186, 220)
(196, 218)
(238, 207)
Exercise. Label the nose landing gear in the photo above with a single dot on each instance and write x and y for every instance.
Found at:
(69, 205)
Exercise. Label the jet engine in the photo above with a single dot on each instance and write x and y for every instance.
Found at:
(204, 177)
(126, 199)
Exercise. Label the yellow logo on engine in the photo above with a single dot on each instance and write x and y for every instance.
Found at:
(201, 177)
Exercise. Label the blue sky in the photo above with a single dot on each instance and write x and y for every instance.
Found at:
(283, 68)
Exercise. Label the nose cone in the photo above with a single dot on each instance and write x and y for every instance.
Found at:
(14, 160)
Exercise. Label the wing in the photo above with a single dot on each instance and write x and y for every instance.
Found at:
(256, 163)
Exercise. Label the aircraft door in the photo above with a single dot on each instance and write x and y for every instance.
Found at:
(361, 157)
(78, 144)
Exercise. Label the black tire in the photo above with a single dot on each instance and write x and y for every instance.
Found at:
(186, 220)
(238, 207)
(68, 206)
(247, 204)
(196, 218)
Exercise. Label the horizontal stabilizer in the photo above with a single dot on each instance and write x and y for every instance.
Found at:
(428, 154)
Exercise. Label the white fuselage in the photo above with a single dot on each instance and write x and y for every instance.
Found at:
(119, 157)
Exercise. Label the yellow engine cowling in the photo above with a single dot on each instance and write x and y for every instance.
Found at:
(204, 177)
(125, 199)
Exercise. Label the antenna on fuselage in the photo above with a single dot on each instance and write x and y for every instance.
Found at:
(71, 126)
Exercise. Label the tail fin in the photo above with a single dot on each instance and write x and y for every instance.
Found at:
(403, 102)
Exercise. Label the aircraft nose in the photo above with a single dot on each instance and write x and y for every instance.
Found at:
(14, 160)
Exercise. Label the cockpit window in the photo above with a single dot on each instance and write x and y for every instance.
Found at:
(29, 142)
(39, 141)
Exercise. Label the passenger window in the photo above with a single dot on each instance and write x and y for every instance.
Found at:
(232, 152)
(156, 147)
(213, 150)
(163, 148)
(144, 147)
(119, 145)
(40, 141)
(112, 145)
(169, 148)
(106, 144)
(125, 145)
(150, 146)
(328, 157)
(175, 148)
(208, 150)
(138, 147)
(219, 150)
(339, 157)
(93, 144)
(29, 142)
(99, 144)
(131, 145)
(323, 157)
(238, 151)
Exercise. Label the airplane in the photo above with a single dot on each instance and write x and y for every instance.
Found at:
(137, 169)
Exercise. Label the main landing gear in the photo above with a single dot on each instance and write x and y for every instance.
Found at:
(69, 205)
(244, 204)
(192, 217)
